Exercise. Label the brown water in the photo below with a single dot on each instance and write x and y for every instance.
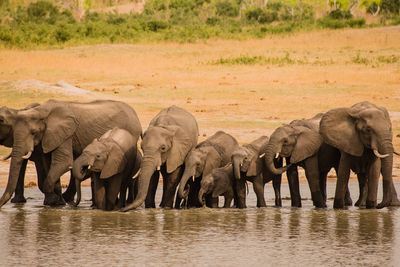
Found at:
(33, 235)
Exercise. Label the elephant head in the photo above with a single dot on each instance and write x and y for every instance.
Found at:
(48, 127)
(200, 161)
(7, 119)
(162, 145)
(207, 186)
(362, 126)
(295, 141)
(105, 156)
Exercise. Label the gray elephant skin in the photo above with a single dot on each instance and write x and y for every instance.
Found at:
(249, 166)
(110, 161)
(62, 130)
(220, 182)
(362, 132)
(214, 152)
(171, 135)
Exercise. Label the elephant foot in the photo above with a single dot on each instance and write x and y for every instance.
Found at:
(52, 199)
(68, 197)
(395, 202)
(372, 204)
(318, 200)
(382, 204)
(18, 199)
(348, 202)
(360, 203)
(338, 204)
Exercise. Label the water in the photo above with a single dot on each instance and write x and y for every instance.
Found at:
(33, 235)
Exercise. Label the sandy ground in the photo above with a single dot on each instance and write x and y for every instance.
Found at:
(244, 100)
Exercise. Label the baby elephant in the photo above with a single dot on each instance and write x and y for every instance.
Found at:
(111, 162)
(220, 182)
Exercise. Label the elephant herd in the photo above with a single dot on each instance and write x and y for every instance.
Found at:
(99, 140)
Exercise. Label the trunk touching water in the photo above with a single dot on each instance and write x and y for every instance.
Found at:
(201, 194)
(147, 170)
(386, 147)
(15, 168)
(236, 167)
(189, 172)
(78, 192)
(270, 152)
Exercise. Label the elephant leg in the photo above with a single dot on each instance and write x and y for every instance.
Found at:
(228, 199)
(193, 200)
(395, 200)
(347, 198)
(122, 193)
(373, 180)
(240, 186)
(42, 169)
(213, 202)
(363, 190)
(387, 183)
(312, 175)
(61, 161)
(150, 201)
(172, 182)
(342, 180)
(258, 186)
(99, 193)
(113, 189)
(322, 184)
(293, 180)
(70, 192)
(19, 190)
(276, 183)
(92, 189)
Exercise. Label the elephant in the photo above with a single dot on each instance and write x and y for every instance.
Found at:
(299, 142)
(171, 135)
(220, 182)
(110, 161)
(214, 152)
(62, 130)
(362, 132)
(248, 166)
(7, 120)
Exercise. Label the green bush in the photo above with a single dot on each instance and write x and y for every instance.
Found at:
(390, 7)
(227, 8)
(261, 15)
(340, 14)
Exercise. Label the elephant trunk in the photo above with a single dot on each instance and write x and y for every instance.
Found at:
(386, 147)
(15, 168)
(236, 167)
(148, 167)
(189, 172)
(201, 196)
(80, 166)
(270, 152)
(78, 191)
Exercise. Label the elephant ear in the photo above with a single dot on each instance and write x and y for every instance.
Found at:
(116, 162)
(181, 145)
(253, 167)
(307, 144)
(213, 161)
(61, 124)
(337, 128)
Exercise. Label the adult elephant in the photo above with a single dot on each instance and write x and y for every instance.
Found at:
(248, 166)
(363, 133)
(110, 161)
(214, 152)
(171, 134)
(62, 130)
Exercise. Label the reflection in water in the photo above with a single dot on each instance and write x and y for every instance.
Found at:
(35, 235)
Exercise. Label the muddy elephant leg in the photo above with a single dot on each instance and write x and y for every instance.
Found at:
(312, 175)
(19, 190)
(293, 180)
(373, 180)
(240, 187)
(322, 184)
(93, 193)
(193, 200)
(113, 189)
(258, 187)
(70, 192)
(363, 190)
(213, 202)
(342, 180)
(228, 199)
(395, 200)
(172, 182)
(99, 193)
(150, 201)
(276, 183)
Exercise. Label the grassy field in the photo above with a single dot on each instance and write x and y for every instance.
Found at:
(229, 85)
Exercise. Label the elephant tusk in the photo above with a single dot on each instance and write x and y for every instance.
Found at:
(193, 178)
(277, 155)
(262, 155)
(380, 155)
(70, 167)
(158, 168)
(137, 174)
(89, 167)
(6, 157)
(27, 156)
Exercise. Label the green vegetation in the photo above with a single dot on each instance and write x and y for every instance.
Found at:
(44, 23)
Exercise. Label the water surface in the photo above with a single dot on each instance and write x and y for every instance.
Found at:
(33, 235)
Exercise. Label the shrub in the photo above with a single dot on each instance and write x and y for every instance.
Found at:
(390, 7)
(42, 10)
(227, 8)
(261, 15)
(340, 14)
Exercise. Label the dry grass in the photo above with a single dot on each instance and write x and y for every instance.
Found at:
(245, 100)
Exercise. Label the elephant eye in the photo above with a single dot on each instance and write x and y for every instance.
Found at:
(163, 148)
(368, 129)
(285, 141)
(97, 156)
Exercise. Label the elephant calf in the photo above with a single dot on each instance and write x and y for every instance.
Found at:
(111, 162)
(220, 182)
